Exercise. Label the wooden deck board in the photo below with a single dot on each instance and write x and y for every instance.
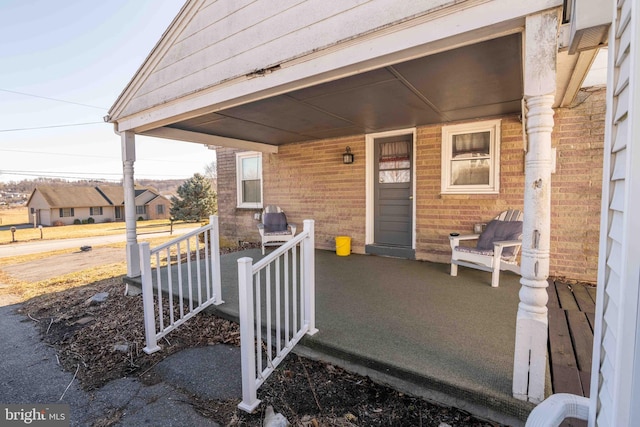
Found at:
(562, 353)
(553, 295)
(566, 298)
(566, 380)
(592, 321)
(571, 321)
(584, 300)
(582, 338)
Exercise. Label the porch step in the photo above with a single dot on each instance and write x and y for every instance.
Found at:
(482, 404)
(391, 251)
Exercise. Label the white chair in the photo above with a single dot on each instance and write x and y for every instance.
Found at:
(497, 248)
(274, 228)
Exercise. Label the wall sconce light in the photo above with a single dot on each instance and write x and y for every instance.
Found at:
(347, 157)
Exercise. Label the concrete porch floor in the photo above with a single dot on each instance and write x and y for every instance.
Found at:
(411, 325)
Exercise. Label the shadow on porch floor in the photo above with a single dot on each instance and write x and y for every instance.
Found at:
(411, 325)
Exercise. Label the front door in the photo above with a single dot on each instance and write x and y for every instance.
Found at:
(393, 198)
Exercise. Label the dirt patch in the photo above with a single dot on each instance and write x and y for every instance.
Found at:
(59, 265)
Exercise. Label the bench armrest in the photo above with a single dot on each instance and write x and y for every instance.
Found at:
(507, 243)
(455, 240)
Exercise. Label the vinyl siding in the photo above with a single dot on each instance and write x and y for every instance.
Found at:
(225, 39)
(618, 276)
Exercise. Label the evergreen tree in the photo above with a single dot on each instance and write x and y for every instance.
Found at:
(196, 200)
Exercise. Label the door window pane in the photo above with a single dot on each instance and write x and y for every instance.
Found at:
(394, 162)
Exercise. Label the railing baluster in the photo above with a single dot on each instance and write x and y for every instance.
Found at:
(295, 292)
(267, 298)
(198, 269)
(159, 284)
(258, 301)
(170, 286)
(286, 313)
(279, 314)
(180, 292)
(189, 279)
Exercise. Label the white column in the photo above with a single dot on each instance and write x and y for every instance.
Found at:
(128, 159)
(530, 358)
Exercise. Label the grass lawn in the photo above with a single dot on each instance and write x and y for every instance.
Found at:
(13, 216)
(89, 230)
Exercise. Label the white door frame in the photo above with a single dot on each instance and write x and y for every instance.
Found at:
(370, 184)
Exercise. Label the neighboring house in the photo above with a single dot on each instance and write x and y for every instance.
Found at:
(52, 205)
(454, 111)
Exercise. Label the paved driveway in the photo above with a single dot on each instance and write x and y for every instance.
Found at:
(58, 265)
(39, 246)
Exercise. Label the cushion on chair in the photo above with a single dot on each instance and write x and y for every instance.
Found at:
(500, 230)
(274, 222)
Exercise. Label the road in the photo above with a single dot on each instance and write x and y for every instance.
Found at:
(39, 246)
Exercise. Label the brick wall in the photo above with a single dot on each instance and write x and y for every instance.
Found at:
(576, 187)
(309, 180)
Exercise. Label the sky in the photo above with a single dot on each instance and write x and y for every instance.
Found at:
(82, 52)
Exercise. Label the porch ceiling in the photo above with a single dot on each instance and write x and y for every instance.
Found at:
(479, 80)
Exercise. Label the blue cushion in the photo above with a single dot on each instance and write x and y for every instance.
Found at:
(274, 222)
(500, 230)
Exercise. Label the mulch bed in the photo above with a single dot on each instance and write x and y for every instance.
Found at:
(309, 393)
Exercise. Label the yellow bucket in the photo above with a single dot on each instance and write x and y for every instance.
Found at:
(343, 245)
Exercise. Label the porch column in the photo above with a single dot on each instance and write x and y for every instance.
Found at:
(128, 158)
(530, 358)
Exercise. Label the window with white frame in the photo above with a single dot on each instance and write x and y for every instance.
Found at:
(66, 212)
(249, 179)
(95, 211)
(160, 209)
(471, 158)
(141, 210)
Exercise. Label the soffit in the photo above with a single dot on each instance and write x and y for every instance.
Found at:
(475, 81)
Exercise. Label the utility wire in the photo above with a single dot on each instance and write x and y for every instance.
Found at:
(63, 174)
(60, 154)
(53, 99)
(50, 127)
(144, 160)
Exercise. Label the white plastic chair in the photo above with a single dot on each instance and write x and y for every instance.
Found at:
(497, 247)
(274, 228)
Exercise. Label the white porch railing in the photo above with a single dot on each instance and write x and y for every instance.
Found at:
(175, 263)
(277, 308)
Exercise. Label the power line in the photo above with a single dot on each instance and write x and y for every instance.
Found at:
(60, 154)
(143, 160)
(53, 99)
(50, 126)
(48, 174)
(59, 176)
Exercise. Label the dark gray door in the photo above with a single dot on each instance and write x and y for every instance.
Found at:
(393, 191)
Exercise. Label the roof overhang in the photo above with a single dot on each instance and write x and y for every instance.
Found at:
(471, 71)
